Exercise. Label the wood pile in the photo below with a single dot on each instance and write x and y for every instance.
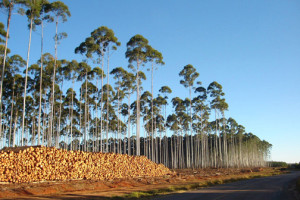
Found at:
(49, 164)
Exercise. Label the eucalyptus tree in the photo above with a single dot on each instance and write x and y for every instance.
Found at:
(19, 89)
(200, 126)
(33, 12)
(84, 70)
(60, 12)
(180, 107)
(97, 72)
(189, 75)
(218, 104)
(154, 122)
(71, 73)
(240, 134)
(119, 74)
(48, 65)
(72, 103)
(201, 113)
(165, 90)
(44, 16)
(100, 42)
(57, 118)
(119, 126)
(90, 101)
(124, 113)
(12, 90)
(34, 71)
(145, 104)
(109, 42)
(2, 51)
(127, 88)
(232, 129)
(108, 93)
(28, 120)
(185, 121)
(137, 52)
(159, 125)
(3, 33)
(63, 73)
(155, 57)
(8, 6)
(173, 124)
(215, 92)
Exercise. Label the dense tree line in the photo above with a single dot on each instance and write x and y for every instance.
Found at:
(121, 117)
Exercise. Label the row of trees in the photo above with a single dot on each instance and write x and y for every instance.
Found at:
(95, 115)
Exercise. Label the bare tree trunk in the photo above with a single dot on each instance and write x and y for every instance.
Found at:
(11, 113)
(41, 80)
(4, 61)
(85, 114)
(15, 128)
(129, 144)
(80, 116)
(152, 152)
(25, 85)
(118, 124)
(97, 133)
(59, 120)
(33, 124)
(101, 106)
(88, 125)
(44, 121)
(72, 107)
(107, 100)
(138, 110)
(192, 146)
(53, 83)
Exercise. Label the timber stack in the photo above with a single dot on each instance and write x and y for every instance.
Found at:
(50, 164)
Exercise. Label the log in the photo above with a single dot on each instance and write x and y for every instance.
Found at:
(38, 163)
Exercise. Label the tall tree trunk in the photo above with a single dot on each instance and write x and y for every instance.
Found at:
(85, 114)
(59, 120)
(15, 128)
(152, 152)
(97, 133)
(41, 80)
(107, 100)
(72, 107)
(101, 103)
(11, 114)
(138, 110)
(192, 145)
(118, 124)
(4, 60)
(80, 116)
(53, 83)
(25, 85)
(33, 131)
(44, 120)
(129, 143)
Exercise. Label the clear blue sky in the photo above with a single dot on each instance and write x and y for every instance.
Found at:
(251, 47)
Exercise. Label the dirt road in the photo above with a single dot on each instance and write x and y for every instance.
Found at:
(270, 188)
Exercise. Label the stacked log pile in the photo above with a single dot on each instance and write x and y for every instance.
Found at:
(48, 164)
